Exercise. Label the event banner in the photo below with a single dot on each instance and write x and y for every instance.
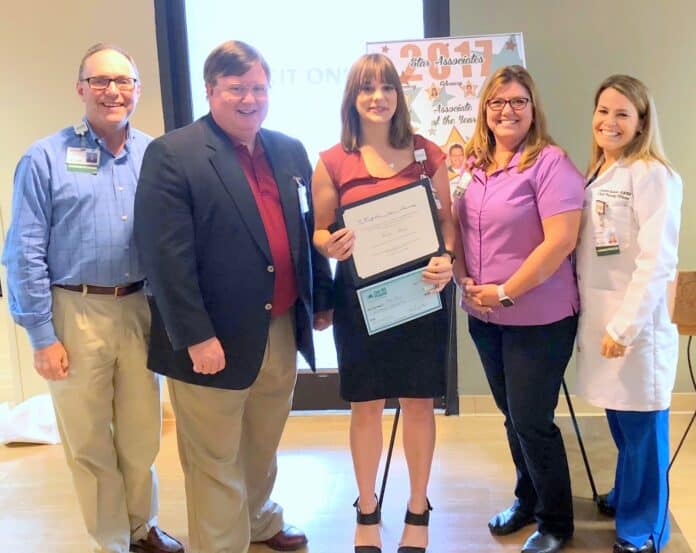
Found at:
(442, 80)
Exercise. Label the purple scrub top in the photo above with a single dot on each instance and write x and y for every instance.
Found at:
(500, 217)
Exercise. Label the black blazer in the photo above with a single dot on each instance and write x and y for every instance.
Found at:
(204, 250)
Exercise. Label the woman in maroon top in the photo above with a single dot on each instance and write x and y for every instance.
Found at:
(377, 154)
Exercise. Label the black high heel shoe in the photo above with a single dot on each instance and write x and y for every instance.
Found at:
(367, 519)
(416, 520)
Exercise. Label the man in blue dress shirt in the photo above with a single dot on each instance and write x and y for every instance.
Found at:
(76, 286)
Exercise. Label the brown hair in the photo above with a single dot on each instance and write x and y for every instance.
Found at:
(100, 46)
(373, 68)
(647, 143)
(455, 146)
(233, 57)
(481, 145)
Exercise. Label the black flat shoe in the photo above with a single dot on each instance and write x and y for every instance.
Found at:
(367, 519)
(543, 543)
(422, 519)
(604, 507)
(622, 546)
(509, 521)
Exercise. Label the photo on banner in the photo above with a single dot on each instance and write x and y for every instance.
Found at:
(442, 80)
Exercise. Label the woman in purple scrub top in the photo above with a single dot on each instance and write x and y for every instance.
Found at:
(518, 219)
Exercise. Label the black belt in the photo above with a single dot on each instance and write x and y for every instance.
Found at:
(115, 291)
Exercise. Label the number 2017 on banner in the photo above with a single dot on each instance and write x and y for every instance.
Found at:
(439, 62)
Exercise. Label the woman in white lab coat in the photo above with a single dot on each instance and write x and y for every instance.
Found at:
(628, 347)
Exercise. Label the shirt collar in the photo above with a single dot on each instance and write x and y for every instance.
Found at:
(514, 162)
(96, 139)
(621, 162)
(239, 147)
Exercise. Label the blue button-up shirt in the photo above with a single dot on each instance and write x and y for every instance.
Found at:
(70, 227)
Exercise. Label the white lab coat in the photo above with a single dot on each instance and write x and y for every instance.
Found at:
(626, 294)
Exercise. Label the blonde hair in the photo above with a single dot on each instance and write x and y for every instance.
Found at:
(481, 145)
(647, 143)
(373, 68)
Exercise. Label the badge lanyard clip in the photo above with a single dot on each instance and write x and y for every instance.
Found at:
(302, 195)
(421, 157)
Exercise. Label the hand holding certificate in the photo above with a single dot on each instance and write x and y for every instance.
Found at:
(394, 232)
(396, 301)
(396, 235)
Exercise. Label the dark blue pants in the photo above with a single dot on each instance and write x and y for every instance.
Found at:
(640, 488)
(524, 366)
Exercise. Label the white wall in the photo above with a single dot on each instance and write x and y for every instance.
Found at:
(41, 44)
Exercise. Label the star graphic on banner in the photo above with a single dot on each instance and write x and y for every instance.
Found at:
(455, 137)
(469, 89)
(415, 120)
(432, 131)
(406, 75)
(410, 92)
(443, 98)
(433, 92)
(385, 49)
(508, 55)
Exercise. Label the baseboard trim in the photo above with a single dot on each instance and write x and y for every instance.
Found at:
(484, 405)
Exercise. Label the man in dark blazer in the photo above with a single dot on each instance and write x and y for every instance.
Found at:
(223, 221)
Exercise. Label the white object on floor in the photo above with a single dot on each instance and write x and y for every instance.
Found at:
(32, 421)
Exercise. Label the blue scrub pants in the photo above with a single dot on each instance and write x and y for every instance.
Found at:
(640, 488)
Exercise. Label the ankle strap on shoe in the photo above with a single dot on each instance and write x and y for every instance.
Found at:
(421, 519)
(367, 519)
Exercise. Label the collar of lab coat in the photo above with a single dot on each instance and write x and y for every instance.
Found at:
(621, 162)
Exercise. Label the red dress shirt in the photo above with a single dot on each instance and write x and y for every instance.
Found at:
(263, 185)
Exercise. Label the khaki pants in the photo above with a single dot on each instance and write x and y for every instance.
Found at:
(228, 441)
(109, 414)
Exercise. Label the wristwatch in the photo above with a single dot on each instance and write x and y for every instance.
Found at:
(505, 300)
(451, 254)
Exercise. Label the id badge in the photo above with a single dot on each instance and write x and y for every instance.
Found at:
(302, 195)
(460, 185)
(606, 241)
(605, 237)
(82, 160)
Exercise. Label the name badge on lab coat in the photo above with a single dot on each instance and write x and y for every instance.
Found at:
(605, 237)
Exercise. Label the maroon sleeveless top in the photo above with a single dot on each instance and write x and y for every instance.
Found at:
(354, 182)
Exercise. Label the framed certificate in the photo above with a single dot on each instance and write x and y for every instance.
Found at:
(394, 232)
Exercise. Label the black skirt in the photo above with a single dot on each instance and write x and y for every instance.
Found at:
(405, 361)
